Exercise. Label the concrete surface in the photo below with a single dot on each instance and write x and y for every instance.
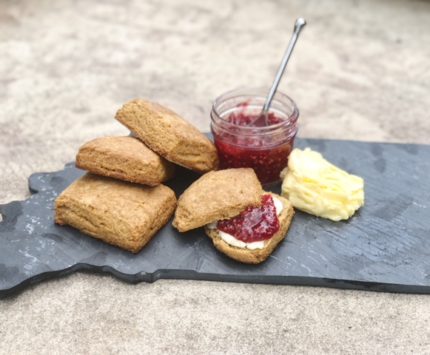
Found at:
(360, 71)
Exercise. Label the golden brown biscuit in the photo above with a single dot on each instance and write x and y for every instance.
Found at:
(169, 135)
(217, 195)
(256, 256)
(124, 158)
(119, 213)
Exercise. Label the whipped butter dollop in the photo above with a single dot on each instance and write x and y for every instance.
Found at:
(314, 185)
(233, 241)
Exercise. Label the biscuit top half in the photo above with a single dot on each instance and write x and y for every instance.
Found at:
(169, 135)
(217, 195)
(124, 147)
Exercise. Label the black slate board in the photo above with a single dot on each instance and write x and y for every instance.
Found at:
(384, 247)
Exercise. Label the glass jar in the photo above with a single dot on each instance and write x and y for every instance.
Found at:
(244, 138)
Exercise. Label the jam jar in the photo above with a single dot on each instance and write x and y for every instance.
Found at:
(245, 138)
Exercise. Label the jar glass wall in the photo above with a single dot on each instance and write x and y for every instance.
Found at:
(245, 139)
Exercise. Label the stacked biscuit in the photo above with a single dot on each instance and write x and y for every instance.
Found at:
(122, 200)
(225, 195)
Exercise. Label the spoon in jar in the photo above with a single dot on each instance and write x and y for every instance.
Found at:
(300, 23)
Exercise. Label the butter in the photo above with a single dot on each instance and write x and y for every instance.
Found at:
(233, 241)
(278, 205)
(314, 185)
(229, 239)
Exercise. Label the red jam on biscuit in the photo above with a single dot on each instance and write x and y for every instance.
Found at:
(254, 224)
(245, 139)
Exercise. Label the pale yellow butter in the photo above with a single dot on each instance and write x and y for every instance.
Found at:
(316, 186)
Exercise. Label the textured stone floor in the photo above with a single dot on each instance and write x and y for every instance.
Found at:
(360, 71)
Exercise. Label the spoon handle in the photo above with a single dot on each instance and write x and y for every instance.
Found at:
(300, 23)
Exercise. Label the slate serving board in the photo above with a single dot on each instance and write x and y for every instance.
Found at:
(384, 247)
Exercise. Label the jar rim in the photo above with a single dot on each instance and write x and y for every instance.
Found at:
(259, 92)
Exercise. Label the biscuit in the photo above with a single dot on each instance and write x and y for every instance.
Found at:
(256, 256)
(124, 158)
(169, 135)
(119, 213)
(217, 195)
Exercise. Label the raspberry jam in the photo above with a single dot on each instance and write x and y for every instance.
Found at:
(254, 224)
(242, 119)
(245, 139)
(256, 151)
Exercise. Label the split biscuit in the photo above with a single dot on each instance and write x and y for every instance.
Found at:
(256, 256)
(169, 135)
(124, 158)
(217, 195)
(118, 213)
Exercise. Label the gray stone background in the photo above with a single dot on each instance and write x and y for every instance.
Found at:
(360, 71)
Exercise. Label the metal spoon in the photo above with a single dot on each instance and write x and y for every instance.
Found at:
(300, 23)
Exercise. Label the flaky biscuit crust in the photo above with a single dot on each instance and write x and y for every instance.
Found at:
(119, 213)
(124, 158)
(217, 195)
(169, 135)
(256, 256)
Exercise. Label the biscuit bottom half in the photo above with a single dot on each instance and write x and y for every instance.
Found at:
(255, 256)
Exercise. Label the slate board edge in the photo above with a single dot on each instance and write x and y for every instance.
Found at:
(192, 275)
